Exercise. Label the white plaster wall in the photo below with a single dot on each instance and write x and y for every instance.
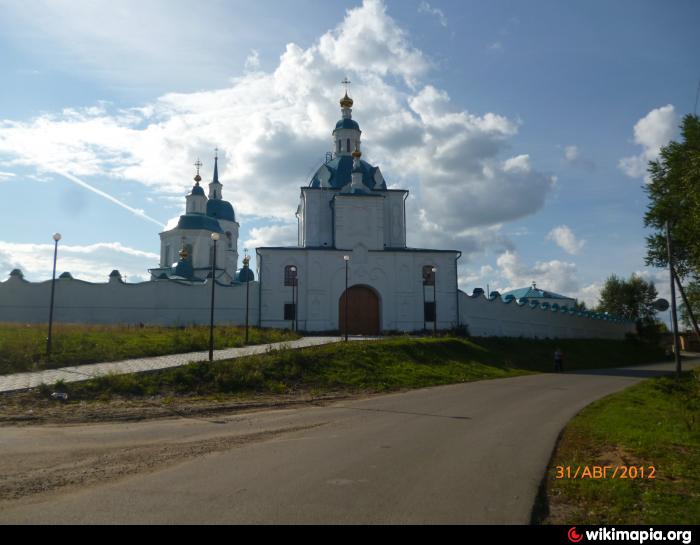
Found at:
(359, 220)
(394, 219)
(316, 217)
(395, 276)
(486, 318)
(160, 302)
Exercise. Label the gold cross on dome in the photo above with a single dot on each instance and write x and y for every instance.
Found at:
(346, 82)
(198, 164)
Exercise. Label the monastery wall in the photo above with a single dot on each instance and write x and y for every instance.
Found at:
(495, 317)
(115, 302)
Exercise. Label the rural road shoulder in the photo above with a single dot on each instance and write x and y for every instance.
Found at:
(465, 453)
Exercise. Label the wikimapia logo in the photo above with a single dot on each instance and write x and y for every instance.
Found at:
(637, 536)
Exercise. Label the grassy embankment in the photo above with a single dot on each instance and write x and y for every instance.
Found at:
(367, 366)
(23, 347)
(653, 424)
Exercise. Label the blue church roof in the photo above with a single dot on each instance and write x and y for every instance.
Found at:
(534, 292)
(341, 173)
(199, 221)
(347, 124)
(221, 210)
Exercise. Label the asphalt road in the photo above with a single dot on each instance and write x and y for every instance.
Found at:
(466, 453)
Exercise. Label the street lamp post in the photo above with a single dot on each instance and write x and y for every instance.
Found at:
(346, 258)
(246, 272)
(56, 237)
(293, 271)
(434, 270)
(214, 237)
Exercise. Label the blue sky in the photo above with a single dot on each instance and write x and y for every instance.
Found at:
(521, 129)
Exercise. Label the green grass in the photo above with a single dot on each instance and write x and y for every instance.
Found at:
(23, 347)
(655, 423)
(365, 366)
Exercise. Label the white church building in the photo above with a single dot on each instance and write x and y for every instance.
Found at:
(347, 218)
(351, 267)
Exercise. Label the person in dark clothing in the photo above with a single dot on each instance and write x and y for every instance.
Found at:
(558, 361)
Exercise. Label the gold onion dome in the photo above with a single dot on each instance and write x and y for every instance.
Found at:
(357, 153)
(197, 178)
(346, 101)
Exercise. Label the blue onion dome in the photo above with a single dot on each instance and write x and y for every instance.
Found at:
(66, 275)
(183, 269)
(197, 190)
(199, 221)
(221, 210)
(347, 124)
(245, 274)
(337, 173)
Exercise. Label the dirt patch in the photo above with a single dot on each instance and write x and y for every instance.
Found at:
(23, 475)
(28, 408)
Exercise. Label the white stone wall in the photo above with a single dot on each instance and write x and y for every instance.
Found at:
(396, 276)
(359, 219)
(161, 302)
(494, 317)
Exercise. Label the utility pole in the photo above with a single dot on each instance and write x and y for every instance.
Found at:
(674, 316)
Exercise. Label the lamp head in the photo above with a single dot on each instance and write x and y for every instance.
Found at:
(56, 236)
(215, 236)
(346, 257)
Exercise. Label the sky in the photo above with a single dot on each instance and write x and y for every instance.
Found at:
(522, 130)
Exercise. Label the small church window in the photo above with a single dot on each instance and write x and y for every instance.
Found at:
(229, 239)
(428, 276)
(289, 311)
(338, 145)
(348, 146)
(429, 312)
(290, 275)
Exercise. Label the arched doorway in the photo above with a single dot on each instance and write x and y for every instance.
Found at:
(363, 311)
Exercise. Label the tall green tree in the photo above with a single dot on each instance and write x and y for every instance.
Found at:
(674, 197)
(632, 299)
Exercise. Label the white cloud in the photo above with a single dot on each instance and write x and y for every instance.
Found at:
(653, 131)
(4, 176)
(557, 276)
(571, 153)
(564, 237)
(252, 61)
(272, 128)
(93, 262)
(589, 294)
(273, 235)
(425, 7)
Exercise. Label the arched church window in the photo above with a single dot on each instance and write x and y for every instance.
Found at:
(290, 275)
(229, 239)
(348, 146)
(338, 146)
(428, 275)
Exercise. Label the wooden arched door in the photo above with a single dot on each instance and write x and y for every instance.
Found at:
(363, 311)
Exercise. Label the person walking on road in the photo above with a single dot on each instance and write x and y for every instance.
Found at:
(558, 361)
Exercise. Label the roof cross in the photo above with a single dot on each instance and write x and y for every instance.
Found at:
(346, 82)
(198, 164)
